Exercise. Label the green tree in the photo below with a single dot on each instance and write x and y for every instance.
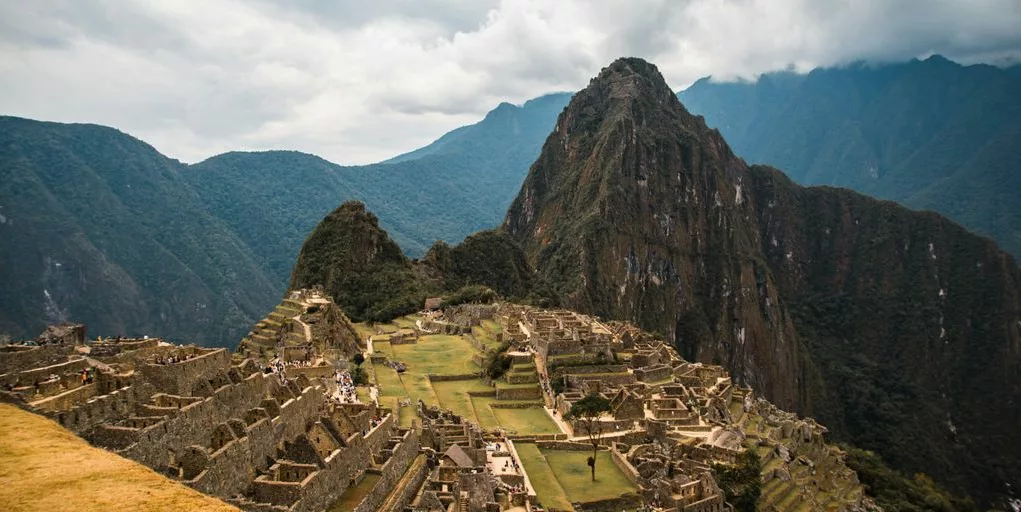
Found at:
(586, 413)
(742, 482)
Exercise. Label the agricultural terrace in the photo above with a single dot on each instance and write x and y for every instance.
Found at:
(445, 355)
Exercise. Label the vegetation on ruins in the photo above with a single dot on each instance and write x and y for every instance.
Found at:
(586, 413)
(359, 375)
(469, 294)
(497, 362)
(741, 483)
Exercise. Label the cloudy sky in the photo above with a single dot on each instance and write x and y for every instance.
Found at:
(358, 81)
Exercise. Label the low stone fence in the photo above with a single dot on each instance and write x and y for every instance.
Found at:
(623, 465)
(532, 393)
(562, 369)
(564, 445)
(498, 405)
(447, 378)
(624, 502)
(537, 437)
(616, 379)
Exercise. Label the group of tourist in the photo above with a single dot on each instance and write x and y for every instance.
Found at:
(346, 391)
(171, 359)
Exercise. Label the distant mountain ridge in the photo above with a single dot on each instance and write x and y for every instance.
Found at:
(888, 325)
(101, 228)
(929, 134)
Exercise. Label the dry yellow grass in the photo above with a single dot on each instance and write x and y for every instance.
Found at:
(44, 467)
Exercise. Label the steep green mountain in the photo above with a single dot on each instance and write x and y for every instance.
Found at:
(460, 184)
(929, 134)
(98, 227)
(357, 263)
(897, 329)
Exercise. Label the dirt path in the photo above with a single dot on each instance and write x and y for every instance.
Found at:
(308, 330)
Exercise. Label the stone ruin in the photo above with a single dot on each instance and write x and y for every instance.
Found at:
(264, 435)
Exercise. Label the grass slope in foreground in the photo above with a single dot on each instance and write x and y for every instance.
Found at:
(44, 467)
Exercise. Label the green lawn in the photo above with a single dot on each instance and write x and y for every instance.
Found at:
(418, 388)
(364, 330)
(483, 413)
(492, 326)
(437, 354)
(547, 487)
(453, 395)
(451, 355)
(526, 421)
(575, 477)
(382, 347)
(406, 322)
(484, 336)
(388, 381)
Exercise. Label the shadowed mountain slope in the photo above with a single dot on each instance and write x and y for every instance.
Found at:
(890, 326)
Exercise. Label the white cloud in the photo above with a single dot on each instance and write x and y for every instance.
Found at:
(357, 82)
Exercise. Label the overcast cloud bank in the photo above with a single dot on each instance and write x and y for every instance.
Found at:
(359, 82)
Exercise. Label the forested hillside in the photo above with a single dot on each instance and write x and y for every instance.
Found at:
(456, 186)
(100, 228)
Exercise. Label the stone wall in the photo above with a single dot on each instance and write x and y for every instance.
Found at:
(28, 377)
(192, 424)
(394, 471)
(624, 502)
(559, 371)
(620, 460)
(531, 393)
(180, 378)
(613, 379)
(231, 468)
(444, 378)
(654, 373)
(15, 358)
(344, 465)
(84, 417)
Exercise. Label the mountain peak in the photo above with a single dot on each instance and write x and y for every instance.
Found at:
(631, 77)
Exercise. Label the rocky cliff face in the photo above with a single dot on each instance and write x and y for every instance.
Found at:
(898, 329)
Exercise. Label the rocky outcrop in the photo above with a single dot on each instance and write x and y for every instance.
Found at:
(898, 329)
